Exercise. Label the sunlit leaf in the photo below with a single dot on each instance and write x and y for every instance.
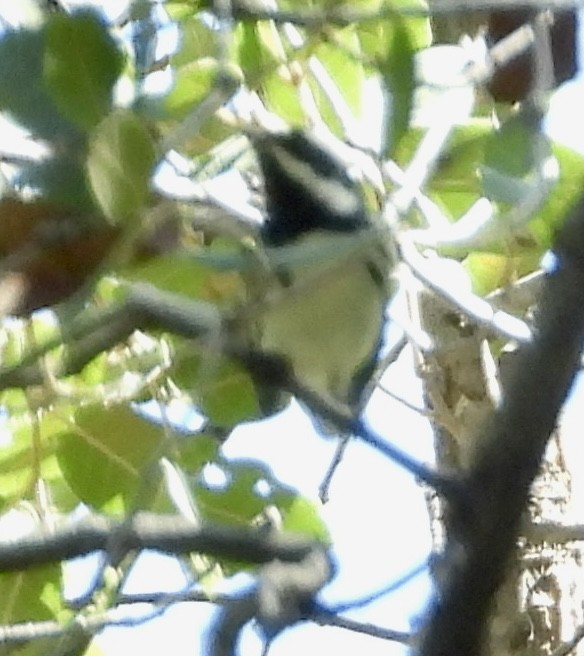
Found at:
(550, 217)
(195, 451)
(252, 54)
(17, 477)
(490, 271)
(300, 515)
(248, 488)
(456, 183)
(263, 59)
(105, 452)
(341, 59)
(36, 595)
(180, 10)
(281, 96)
(398, 73)
(193, 83)
(23, 594)
(377, 35)
(119, 165)
(28, 454)
(192, 277)
(197, 41)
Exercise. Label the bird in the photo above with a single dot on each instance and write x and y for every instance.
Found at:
(331, 269)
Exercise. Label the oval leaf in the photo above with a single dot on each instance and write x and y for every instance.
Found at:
(397, 70)
(22, 92)
(119, 165)
(81, 66)
(512, 153)
(105, 452)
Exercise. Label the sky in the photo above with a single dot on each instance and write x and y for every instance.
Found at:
(376, 515)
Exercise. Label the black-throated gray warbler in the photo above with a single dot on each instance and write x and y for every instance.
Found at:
(333, 283)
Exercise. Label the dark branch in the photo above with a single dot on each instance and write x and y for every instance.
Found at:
(283, 596)
(164, 533)
(89, 335)
(345, 15)
(348, 424)
(318, 615)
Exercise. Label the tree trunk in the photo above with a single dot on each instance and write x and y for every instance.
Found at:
(540, 604)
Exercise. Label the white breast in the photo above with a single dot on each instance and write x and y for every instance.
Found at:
(327, 322)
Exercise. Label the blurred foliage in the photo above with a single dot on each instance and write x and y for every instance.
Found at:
(92, 216)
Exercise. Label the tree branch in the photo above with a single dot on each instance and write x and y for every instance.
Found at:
(164, 533)
(483, 528)
(243, 10)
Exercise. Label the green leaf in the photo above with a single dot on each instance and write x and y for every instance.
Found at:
(238, 501)
(455, 185)
(341, 60)
(81, 65)
(248, 489)
(23, 594)
(36, 595)
(124, 372)
(490, 271)
(301, 515)
(251, 52)
(260, 52)
(193, 82)
(28, 454)
(105, 454)
(280, 96)
(259, 49)
(195, 451)
(398, 74)
(16, 476)
(228, 397)
(200, 278)
(375, 36)
(512, 148)
(222, 389)
(511, 155)
(551, 216)
(197, 40)
(120, 164)
(22, 91)
(181, 10)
